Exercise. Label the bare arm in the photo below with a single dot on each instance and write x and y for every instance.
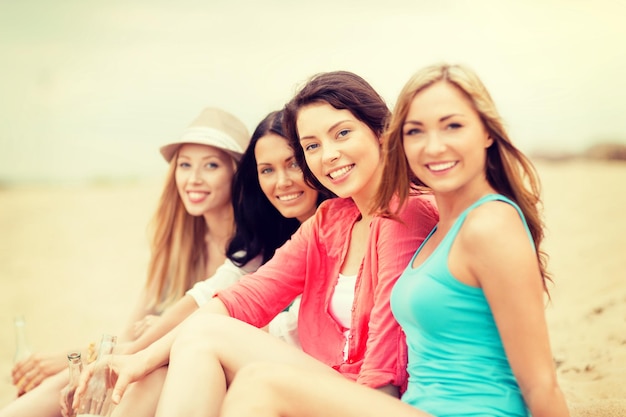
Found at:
(503, 261)
(201, 294)
(128, 368)
(166, 322)
(138, 312)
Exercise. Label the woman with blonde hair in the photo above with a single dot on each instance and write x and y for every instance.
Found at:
(270, 199)
(471, 300)
(190, 231)
(344, 261)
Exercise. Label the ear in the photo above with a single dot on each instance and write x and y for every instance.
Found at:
(488, 141)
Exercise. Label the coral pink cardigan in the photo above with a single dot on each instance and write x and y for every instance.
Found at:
(309, 264)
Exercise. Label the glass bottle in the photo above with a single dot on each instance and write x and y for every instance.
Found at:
(22, 348)
(96, 400)
(75, 368)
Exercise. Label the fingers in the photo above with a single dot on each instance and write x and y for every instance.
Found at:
(63, 402)
(35, 381)
(120, 388)
(21, 368)
(28, 381)
(82, 384)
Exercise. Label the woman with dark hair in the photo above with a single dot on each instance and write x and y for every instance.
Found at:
(263, 224)
(471, 300)
(264, 220)
(344, 261)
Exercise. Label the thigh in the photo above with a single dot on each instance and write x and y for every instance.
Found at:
(42, 401)
(141, 397)
(236, 344)
(278, 390)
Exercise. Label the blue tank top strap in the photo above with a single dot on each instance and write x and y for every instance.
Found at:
(489, 197)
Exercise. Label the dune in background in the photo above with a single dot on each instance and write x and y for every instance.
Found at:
(73, 259)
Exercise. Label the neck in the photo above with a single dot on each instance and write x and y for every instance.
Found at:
(220, 225)
(451, 204)
(364, 199)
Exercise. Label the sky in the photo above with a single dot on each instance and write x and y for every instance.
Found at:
(90, 90)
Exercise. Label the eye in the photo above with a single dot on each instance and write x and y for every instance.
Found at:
(454, 125)
(293, 164)
(343, 133)
(265, 171)
(184, 165)
(311, 147)
(212, 165)
(412, 131)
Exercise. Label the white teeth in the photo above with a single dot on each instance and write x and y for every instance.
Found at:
(288, 197)
(196, 195)
(441, 166)
(340, 172)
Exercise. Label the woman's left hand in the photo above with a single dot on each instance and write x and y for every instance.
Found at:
(144, 324)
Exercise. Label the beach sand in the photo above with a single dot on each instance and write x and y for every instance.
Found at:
(72, 260)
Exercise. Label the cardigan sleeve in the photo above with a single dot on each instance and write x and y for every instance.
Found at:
(258, 297)
(393, 245)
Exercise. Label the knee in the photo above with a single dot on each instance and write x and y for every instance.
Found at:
(256, 386)
(258, 374)
(265, 378)
(200, 332)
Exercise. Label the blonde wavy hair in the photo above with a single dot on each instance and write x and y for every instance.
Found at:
(508, 170)
(178, 250)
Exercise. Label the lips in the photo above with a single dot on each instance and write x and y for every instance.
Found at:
(441, 166)
(289, 197)
(196, 196)
(340, 172)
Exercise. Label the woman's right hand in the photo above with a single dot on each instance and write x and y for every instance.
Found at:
(122, 369)
(30, 372)
(65, 401)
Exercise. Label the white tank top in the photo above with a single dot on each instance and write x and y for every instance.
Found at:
(341, 305)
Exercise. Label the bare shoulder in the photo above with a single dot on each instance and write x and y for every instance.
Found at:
(493, 225)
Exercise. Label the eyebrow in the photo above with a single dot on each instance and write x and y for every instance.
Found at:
(213, 155)
(292, 157)
(334, 126)
(442, 119)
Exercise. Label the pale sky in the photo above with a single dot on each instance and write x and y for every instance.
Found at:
(91, 89)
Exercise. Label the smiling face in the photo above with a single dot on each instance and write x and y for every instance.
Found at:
(203, 178)
(281, 178)
(341, 151)
(445, 140)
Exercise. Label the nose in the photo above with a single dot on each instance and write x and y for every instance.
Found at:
(195, 176)
(284, 180)
(330, 152)
(434, 143)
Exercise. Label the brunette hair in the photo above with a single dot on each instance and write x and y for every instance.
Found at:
(260, 227)
(342, 90)
(507, 169)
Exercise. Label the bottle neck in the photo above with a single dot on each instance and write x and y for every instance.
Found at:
(75, 367)
(22, 350)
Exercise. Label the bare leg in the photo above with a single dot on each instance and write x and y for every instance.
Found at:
(42, 401)
(141, 398)
(209, 350)
(273, 390)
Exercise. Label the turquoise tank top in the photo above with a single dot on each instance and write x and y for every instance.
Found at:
(457, 365)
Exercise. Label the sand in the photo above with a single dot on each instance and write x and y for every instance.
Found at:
(72, 260)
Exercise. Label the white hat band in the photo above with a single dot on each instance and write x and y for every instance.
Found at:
(209, 135)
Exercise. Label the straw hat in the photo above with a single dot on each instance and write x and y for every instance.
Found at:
(213, 127)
